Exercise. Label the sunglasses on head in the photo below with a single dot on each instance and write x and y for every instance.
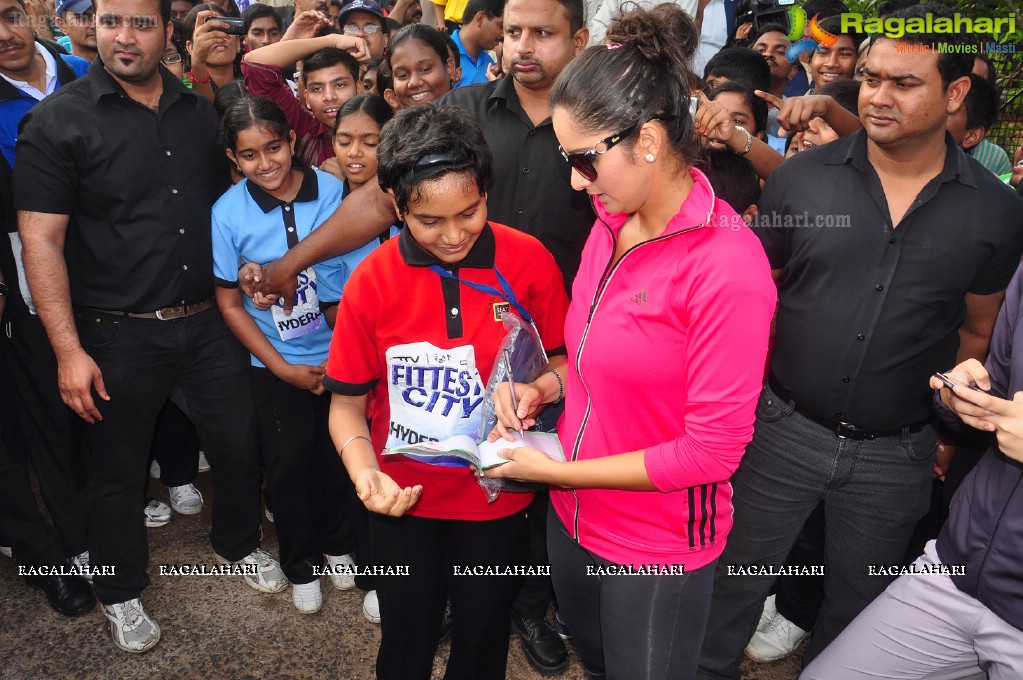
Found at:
(582, 161)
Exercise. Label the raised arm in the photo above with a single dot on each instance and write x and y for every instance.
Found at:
(286, 52)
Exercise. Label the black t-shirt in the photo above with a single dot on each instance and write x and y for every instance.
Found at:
(866, 313)
(137, 184)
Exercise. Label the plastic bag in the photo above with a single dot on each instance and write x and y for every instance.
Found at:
(528, 360)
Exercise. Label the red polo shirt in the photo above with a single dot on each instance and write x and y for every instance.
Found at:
(423, 347)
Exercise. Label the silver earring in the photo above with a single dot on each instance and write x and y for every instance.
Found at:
(649, 158)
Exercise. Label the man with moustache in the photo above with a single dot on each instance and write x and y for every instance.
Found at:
(123, 281)
(866, 314)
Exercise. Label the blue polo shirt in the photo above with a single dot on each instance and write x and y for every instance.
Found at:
(250, 225)
(472, 71)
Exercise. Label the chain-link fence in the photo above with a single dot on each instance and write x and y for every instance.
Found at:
(1008, 133)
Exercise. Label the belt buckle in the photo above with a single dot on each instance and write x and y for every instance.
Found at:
(845, 430)
(169, 313)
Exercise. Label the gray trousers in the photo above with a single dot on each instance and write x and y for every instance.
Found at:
(874, 492)
(923, 627)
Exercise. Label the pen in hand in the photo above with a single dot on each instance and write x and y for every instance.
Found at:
(511, 387)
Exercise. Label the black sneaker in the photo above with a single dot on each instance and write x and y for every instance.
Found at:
(543, 648)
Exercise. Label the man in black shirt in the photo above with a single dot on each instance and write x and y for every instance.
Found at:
(531, 190)
(895, 259)
(115, 179)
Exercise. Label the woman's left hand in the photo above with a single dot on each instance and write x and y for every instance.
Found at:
(527, 465)
(993, 414)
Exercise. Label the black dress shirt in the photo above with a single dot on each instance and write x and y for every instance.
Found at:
(531, 190)
(866, 313)
(138, 185)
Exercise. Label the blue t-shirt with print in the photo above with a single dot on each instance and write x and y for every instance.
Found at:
(250, 225)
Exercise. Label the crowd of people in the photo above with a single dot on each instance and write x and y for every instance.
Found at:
(276, 245)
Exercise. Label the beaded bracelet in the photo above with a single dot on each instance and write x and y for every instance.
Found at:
(561, 384)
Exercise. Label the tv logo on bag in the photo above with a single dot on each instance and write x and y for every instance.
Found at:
(433, 393)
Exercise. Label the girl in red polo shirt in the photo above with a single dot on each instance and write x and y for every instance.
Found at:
(419, 326)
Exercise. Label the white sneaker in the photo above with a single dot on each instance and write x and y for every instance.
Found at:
(268, 576)
(185, 499)
(371, 607)
(82, 562)
(204, 465)
(777, 641)
(307, 597)
(157, 513)
(6, 551)
(342, 571)
(770, 611)
(154, 470)
(131, 627)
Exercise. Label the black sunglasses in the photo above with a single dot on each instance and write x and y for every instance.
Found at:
(583, 160)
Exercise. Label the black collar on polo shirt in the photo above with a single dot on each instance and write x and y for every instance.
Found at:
(309, 191)
(480, 256)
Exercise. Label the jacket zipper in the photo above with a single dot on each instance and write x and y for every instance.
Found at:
(605, 280)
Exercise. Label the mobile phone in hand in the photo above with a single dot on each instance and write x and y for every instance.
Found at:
(235, 25)
(950, 383)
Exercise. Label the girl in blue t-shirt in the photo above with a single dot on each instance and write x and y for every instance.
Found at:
(277, 204)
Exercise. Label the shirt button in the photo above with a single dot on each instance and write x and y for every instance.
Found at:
(861, 336)
(174, 191)
(291, 229)
(891, 239)
(525, 171)
(879, 288)
(167, 152)
(845, 379)
(838, 414)
(181, 231)
(454, 311)
(518, 211)
(287, 208)
(185, 267)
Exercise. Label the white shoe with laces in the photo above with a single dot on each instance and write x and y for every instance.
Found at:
(265, 574)
(770, 611)
(371, 607)
(777, 641)
(156, 513)
(130, 626)
(342, 571)
(186, 499)
(307, 597)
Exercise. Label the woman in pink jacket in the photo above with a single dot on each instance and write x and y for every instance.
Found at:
(667, 336)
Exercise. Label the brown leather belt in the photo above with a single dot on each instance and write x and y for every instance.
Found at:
(165, 314)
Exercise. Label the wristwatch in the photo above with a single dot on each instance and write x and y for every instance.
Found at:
(4, 290)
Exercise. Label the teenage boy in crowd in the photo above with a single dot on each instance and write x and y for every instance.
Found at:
(863, 321)
(262, 26)
(330, 77)
(364, 19)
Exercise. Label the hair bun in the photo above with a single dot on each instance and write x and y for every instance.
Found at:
(664, 34)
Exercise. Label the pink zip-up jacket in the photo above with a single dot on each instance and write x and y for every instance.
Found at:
(666, 353)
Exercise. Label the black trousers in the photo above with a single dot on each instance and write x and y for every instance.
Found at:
(52, 433)
(799, 598)
(198, 363)
(176, 446)
(313, 497)
(33, 542)
(411, 606)
(629, 627)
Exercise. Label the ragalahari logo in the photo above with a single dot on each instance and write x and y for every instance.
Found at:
(817, 39)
